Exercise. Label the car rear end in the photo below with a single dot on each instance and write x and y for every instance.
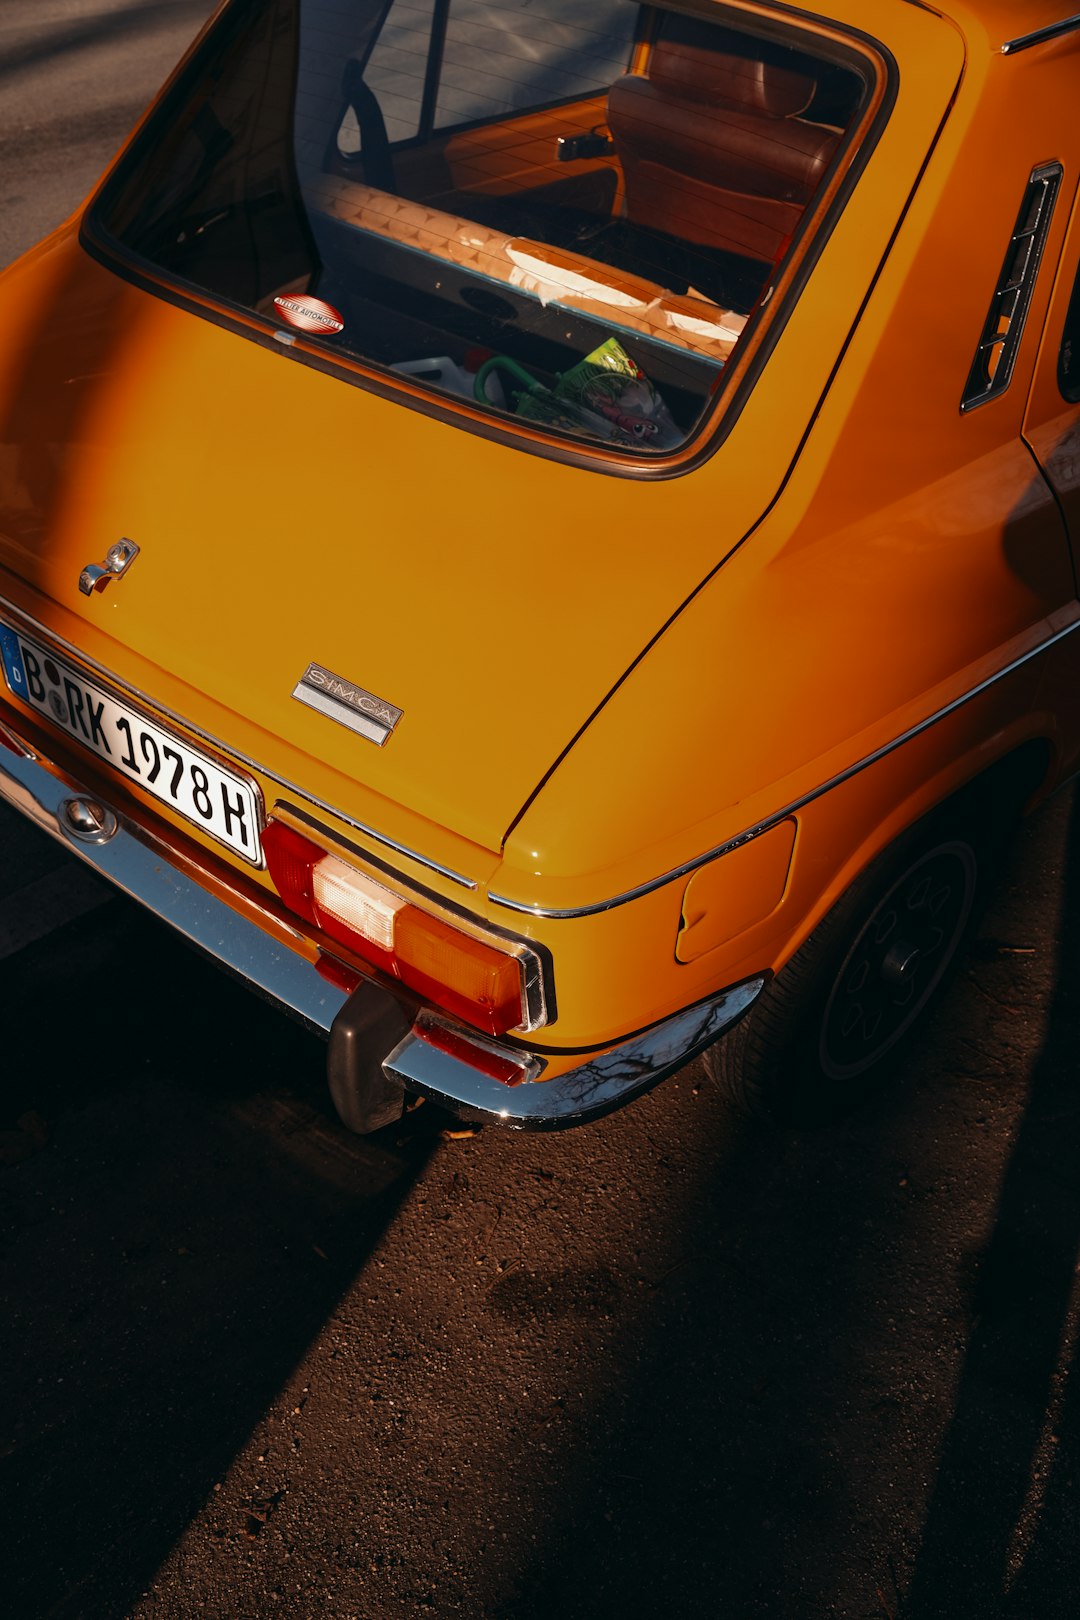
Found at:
(353, 458)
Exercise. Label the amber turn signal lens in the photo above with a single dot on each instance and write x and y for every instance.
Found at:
(467, 977)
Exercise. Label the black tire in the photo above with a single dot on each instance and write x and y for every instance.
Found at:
(825, 1033)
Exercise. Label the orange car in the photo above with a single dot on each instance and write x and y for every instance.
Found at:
(537, 534)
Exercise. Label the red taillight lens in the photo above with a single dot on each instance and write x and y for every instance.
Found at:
(476, 981)
(338, 973)
(291, 861)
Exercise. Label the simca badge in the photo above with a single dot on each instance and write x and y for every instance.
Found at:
(349, 705)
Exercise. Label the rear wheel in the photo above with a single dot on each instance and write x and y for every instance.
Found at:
(823, 1033)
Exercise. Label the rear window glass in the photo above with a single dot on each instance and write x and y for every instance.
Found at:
(566, 217)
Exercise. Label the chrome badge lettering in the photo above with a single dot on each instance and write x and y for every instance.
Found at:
(350, 705)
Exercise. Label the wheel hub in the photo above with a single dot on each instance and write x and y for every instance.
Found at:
(901, 962)
(897, 959)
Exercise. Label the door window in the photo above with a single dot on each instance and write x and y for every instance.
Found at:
(1069, 356)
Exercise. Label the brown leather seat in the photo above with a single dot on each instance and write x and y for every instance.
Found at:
(711, 141)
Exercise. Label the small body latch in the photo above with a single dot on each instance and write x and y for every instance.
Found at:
(118, 558)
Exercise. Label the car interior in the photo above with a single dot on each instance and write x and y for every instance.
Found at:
(568, 219)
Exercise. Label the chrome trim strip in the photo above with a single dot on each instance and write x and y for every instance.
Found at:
(791, 809)
(384, 839)
(232, 753)
(1024, 42)
(238, 942)
(594, 1088)
(340, 714)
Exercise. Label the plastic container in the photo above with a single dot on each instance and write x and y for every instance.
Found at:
(442, 372)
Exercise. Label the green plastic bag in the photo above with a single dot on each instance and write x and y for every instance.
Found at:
(605, 396)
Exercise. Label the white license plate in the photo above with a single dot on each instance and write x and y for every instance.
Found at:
(225, 805)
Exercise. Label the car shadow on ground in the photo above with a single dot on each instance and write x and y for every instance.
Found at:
(167, 1261)
(826, 1376)
(852, 1396)
(1000, 1531)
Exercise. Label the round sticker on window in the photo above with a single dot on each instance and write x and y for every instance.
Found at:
(309, 314)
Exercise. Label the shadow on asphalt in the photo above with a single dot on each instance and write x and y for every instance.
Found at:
(167, 1262)
(1011, 1445)
(833, 1348)
(824, 1374)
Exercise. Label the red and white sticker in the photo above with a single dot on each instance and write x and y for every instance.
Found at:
(309, 314)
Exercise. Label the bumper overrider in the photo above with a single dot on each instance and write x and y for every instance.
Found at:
(380, 1047)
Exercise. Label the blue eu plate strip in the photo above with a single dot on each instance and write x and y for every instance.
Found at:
(11, 653)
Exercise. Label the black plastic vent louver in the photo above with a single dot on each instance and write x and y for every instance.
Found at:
(1004, 326)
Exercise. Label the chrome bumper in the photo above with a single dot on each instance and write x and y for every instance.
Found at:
(597, 1086)
(256, 947)
(243, 941)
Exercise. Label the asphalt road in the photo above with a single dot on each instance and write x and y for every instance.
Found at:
(75, 75)
(669, 1365)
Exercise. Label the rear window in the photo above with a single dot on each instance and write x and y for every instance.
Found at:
(564, 218)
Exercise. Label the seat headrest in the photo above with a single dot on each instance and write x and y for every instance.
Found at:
(692, 72)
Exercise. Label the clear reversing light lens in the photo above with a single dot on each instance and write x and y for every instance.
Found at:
(353, 899)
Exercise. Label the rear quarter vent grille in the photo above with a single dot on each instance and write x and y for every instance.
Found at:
(1003, 328)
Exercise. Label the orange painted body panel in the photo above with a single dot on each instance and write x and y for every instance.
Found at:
(604, 678)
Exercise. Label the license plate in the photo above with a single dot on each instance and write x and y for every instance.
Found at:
(225, 805)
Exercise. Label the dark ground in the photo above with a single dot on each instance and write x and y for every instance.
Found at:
(665, 1365)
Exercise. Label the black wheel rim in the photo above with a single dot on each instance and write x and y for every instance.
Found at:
(897, 960)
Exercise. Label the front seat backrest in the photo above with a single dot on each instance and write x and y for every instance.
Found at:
(712, 143)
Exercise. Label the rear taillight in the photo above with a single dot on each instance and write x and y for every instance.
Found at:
(477, 982)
